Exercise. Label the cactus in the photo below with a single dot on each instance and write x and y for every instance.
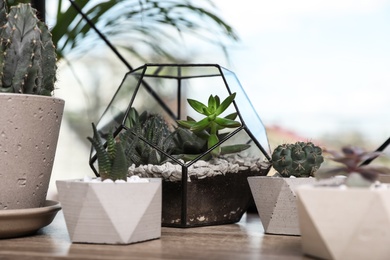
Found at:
(27, 53)
(301, 159)
(111, 160)
(208, 128)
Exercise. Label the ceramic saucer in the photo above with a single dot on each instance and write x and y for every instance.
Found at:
(22, 222)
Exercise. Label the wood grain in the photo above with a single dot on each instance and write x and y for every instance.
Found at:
(244, 240)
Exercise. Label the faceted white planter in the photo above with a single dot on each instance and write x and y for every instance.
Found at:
(111, 213)
(29, 130)
(353, 223)
(276, 203)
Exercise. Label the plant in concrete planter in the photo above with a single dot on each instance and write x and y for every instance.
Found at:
(301, 159)
(112, 160)
(351, 159)
(204, 180)
(115, 209)
(341, 217)
(275, 195)
(31, 117)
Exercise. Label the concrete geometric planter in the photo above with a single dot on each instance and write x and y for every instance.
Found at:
(276, 203)
(29, 129)
(111, 213)
(352, 223)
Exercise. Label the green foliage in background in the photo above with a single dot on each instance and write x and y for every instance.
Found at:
(140, 26)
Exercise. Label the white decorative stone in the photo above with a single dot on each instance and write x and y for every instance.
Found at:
(201, 169)
(111, 213)
(276, 203)
(351, 223)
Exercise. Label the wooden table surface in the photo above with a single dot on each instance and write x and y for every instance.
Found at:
(244, 240)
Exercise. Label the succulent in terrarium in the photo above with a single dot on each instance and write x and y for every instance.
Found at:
(352, 158)
(27, 53)
(301, 159)
(151, 128)
(148, 139)
(207, 130)
(111, 159)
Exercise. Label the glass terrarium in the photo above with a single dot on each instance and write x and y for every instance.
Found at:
(204, 167)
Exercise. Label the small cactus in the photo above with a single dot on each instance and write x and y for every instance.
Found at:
(301, 159)
(111, 160)
(27, 54)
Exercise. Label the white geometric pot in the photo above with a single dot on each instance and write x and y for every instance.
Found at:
(111, 213)
(276, 203)
(353, 223)
(29, 129)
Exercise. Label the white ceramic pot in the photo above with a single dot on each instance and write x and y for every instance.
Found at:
(351, 223)
(111, 213)
(275, 201)
(29, 129)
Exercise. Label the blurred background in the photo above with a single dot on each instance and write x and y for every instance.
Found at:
(314, 70)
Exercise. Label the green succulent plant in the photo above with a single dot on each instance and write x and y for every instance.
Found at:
(112, 162)
(208, 128)
(351, 159)
(301, 159)
(27, 54)
(148, 138)
(151, 128)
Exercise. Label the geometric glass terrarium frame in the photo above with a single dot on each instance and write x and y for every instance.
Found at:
(164, 89)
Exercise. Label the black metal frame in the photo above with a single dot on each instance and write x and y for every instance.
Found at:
(176, 116)
(170, 113)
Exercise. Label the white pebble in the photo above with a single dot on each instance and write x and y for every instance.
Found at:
(87, 179)
(136, 178)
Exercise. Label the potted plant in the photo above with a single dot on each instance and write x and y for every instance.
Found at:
(112, 209)
(340, 218)
(203, 152)
(31, 116)
(274, 196)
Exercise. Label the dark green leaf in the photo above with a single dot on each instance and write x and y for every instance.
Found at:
(213, 140)
(225, 104)
(201, 125)
(186, 124)
(212, 104)
(231, 116)
(224, 122)
(197, 106)
(234, 148)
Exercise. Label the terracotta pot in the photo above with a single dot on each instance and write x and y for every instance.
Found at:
(352, 223)
(275, 200)
(29, 129)
(111, 213)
